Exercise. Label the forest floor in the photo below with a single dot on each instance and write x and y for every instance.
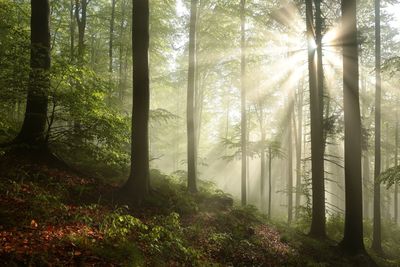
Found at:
(52, 217)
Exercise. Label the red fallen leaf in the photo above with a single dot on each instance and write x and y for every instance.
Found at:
(77, 253)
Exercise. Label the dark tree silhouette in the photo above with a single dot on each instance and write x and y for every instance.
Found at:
(138, 185)
(317, 229)
(33, 128)
(352, 241)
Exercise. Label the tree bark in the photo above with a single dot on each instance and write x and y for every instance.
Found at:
(290, 166)
(269, 183)
(137, 187)
(365, 156)
(243, 100)
(110, 45)
(191, 133)
(396, 162)
(377, 236)
(72, 30)
(352, 241)
(33, 128)
(81, 15)
(299, 149)
(262, 162)
(317, 229)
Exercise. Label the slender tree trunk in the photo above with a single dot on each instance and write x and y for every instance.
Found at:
(191, 150)
(111, 41)
(33, 128)
(385, 196)
(269, 183)
(299, 149)
(377, 239)
(290, 167)
(81, 15)
(137, 187)
(243, 100)
(353, 229)
(262, 162)
(366, 177)
(121, 85)
(396, 162)
(248, 119)
(317, 229)
(72, 30)
(365, 159)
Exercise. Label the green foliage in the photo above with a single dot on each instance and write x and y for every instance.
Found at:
(172, 195)
(390, 176)
(335, 227)
(118, 225)
(14, 65)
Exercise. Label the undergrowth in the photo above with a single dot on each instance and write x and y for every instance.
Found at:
(52, 217)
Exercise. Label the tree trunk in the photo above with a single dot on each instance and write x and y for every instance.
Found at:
(317, 229)
(396, 162)
(191, 133)
(137, 187)
(290, 167)
(262, 164)
(377, 239)
(110, 45)
(33, 128)
(366, 176)
(80, 15)
(299, 150)
(353, 229)
(72, 30)
(269, 183)
(365, 159)
(243, 100)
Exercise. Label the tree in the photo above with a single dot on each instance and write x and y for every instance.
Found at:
(138, 185)
(376, 240)
(81, 17)
(269, 182)
(396, 162)
(243, 135)
(34, 126)
(353, 229)
(317, 229)
(290, 161)
(71, 30)
(111, 41)
(191, 133)
(298, 139)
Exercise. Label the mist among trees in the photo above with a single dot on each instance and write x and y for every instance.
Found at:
(199, 133)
